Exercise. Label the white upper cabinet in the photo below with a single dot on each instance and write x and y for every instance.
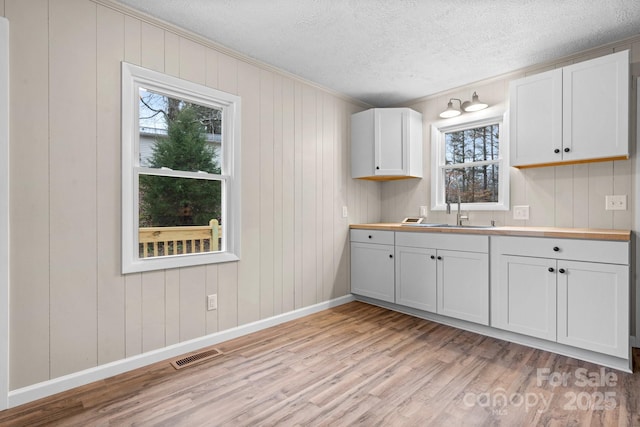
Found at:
(572, 114)
(595, 110)
(386, 144)
(536, 118)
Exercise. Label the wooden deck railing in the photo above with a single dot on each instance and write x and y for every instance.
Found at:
(160, 241)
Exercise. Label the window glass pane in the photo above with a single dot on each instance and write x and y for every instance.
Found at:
(178, 135)
(472, 145)
(178, 216)
(477, 184)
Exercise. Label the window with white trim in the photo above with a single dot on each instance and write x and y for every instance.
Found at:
(469, 163)
(180, 172)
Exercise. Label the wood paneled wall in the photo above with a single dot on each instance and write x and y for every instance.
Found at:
(563, 196)
(71, 309)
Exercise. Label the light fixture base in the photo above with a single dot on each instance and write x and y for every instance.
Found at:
(451, 111)
(474, 105)
(467, 106)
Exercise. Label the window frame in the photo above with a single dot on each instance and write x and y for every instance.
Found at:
(134, 77)
(495, 115)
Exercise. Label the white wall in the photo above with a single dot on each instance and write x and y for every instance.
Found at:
(71, 309)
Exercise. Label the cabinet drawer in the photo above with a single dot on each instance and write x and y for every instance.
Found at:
(577, 250)
(447, 241)
(372, 236)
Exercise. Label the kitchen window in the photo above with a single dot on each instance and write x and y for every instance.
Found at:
(469, 163)
(180, 163)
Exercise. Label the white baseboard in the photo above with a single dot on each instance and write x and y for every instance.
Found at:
(67, 382)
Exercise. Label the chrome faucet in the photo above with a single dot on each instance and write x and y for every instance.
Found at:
(459, 216)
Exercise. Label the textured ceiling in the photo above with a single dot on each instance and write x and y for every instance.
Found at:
(385, 52)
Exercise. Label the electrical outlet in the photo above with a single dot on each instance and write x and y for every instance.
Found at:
(521, 212)
(345, 212)
(423, 211)
(616, 203)
(212, 302)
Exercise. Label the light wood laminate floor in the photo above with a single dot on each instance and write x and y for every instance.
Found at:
(356, 364)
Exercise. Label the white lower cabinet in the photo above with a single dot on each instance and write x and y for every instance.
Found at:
(372, 264)
(570, 298)
(463, 285)
(416, 278)
(527, 291)
(593, 307)
(448, 275)
(573, 292)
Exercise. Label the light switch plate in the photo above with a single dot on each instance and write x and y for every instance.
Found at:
(616, 203)
(212, 302)
(423, 211)
(521, 212)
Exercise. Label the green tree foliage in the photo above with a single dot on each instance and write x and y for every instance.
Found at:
(171, 201)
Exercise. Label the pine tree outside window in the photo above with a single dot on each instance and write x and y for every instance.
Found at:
(180, 150)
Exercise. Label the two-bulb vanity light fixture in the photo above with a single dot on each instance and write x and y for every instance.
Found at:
(467, 106)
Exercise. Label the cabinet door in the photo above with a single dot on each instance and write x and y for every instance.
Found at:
(593, 306)
(526, 296)
(416, 278)
(372, 271)
(463, 285)
(595, 109)
(536, 119)
(362, 146)
(391, 131)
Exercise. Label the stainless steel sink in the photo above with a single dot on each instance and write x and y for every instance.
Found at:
(424, 224)
(447, 226)
(468, 226)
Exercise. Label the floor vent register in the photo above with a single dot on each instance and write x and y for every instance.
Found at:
(194, 358)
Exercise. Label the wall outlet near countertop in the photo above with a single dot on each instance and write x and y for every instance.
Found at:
(521, 212)
(616, 203)
(424, 210)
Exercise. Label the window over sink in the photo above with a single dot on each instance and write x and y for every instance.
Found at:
(469, 163)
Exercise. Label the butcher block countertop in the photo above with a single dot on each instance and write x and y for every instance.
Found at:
(559, 232)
